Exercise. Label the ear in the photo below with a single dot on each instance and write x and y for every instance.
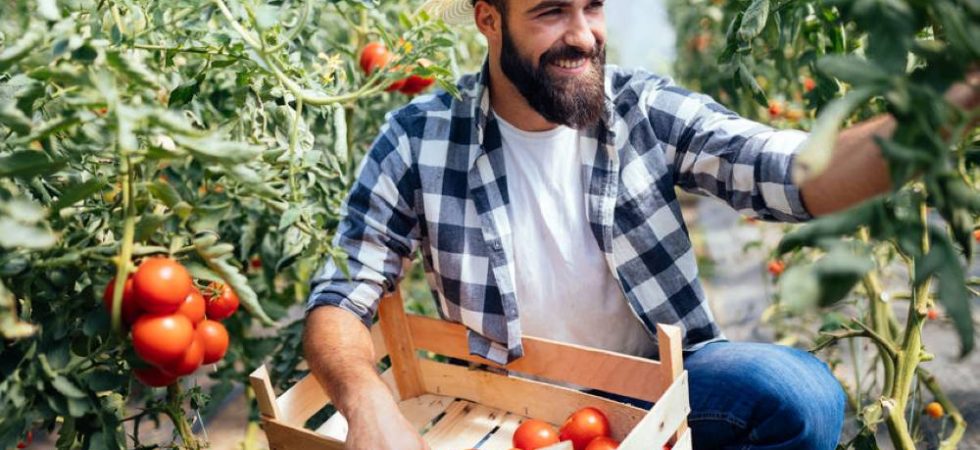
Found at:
(488, 20)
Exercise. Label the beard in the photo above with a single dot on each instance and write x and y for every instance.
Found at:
(577, 102)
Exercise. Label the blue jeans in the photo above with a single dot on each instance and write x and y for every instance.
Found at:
(762, 396)
(751, 396)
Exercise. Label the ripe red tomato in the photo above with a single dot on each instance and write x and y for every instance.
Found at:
(153, 377)
(28, 440)
(775, 108)
(214, 336)
(583, 426)
(397, 85)
(130, 307)
(776, 268)
(162, 339)
(533, 434)
(222, 303)
(193, 307)
(932, 314)
(374, 56)
(161, 285)
(602, 443)
(415, 84)
(191, 360)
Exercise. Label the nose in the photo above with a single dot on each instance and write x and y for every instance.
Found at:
(580, 33)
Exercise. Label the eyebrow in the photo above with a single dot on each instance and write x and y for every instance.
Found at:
(549, 4)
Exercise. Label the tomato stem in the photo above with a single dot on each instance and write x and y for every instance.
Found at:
(176, 413)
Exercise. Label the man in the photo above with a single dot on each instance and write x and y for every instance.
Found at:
(543, 204)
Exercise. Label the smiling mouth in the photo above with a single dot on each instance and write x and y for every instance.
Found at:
(570, 64)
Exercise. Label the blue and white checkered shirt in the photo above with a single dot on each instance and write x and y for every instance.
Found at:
(434, 180)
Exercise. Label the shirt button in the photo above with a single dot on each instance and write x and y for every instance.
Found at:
(496, 245)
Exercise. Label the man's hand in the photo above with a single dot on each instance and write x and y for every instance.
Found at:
(379, 425)
(966, 94)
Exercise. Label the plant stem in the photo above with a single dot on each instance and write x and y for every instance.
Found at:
(959, 424)
(126, 248)
(175, 411)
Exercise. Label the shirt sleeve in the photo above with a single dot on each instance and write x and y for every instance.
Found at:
(378, 230)
(713, 151)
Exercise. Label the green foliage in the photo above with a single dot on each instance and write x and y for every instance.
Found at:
(221, 133)
(825, 65)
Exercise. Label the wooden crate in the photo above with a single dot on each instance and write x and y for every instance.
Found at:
(456, 407)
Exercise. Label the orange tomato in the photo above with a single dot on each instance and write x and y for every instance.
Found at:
(776, 267)
(161, 339)
(214, 336)
(934, 410)
(373, 57)
(222, 303)
(193, 307)
(534, 434)
(602, 443)
(153, 377)
(130, 306)
(583, 426)
(161, 285)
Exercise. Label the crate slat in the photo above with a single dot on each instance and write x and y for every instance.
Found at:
(264, 394)
(502, 439)
(401, 348)
(419, 411)
(631, 376)
(663, 419)
(302, 401)
(464, 425)
(528, 398)
(283, 436)
(684, 443)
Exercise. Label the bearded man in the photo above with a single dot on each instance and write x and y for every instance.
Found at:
(542, 201)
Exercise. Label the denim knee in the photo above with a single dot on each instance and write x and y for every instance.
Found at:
(805, 411)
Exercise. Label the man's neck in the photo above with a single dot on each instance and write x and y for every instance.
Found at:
(508, 103)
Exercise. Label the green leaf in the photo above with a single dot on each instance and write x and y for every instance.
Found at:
(28, 164)
(852, 69)
(48, 9)
(219, 151)
(77, 192)
(14, 234)
(754, 20)
(164, 192)
(13, 118)
(22, 47)
(832, 226)
(217, 257)
(942, 263)
(814, 157)
(67, 387)
(133, 68)
(183, 94)
(799, 289)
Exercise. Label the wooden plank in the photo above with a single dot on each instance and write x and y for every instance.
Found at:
(464, 425)
(503, 438)
(398, 341)
(684, 443)
(419, 411)
(528, 398)
(282, 436)
(669, 342)
(621, 374)
(264, 394)
(302, 401)
(661, 423)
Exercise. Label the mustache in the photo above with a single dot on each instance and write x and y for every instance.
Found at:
(569, 52)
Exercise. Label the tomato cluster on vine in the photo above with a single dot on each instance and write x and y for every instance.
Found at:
(375, 56)
(175, 327)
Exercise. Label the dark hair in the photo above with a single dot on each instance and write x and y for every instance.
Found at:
(501, 5)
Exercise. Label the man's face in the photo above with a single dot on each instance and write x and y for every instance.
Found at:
(553, 51)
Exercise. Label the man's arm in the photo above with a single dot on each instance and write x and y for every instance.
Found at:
(857, 171)
(339, 351)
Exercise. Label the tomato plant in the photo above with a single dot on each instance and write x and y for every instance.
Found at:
(821, 66)
(218, 136)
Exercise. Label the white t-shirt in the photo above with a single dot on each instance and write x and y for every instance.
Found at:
(565, 290)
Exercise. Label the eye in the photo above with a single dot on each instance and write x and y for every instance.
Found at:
(596, 5)
(551, 12)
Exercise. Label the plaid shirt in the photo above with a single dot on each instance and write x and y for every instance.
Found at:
(434, 180)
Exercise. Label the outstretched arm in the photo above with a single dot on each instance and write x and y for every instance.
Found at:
(857, 171)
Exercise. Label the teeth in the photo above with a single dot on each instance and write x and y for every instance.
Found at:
(570, 64)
